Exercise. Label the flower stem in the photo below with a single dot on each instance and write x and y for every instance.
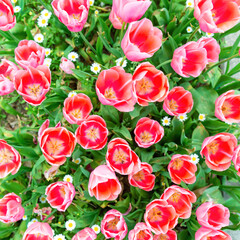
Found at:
(193, 33)
(124, 58)
(87, 42)
(164, 63)
(222, 61)
(121, 33)
(55, 210)
(100, 8)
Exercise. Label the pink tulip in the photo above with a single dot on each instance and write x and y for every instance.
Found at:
(178, 101)
(33, 84)
(113, 225)
(218, 151)
(130, 10)
(29, 53)
(10, 159)
(207, 233)
(103, 184)
(148, 132)
(216, 16)
(189, 60)
(11, 209)
(181, 199)
(170, 235)
(60, 195)
(85, 234)
(142, 177)
(72, 13)
(116, 21)
(92, 133)
(141, 40)
(236, 159)
(214, 216)
(38, 231)
(67, 66)
(120, 157)
(149, 84)
(140, 231)
(7, 20)
(77, 108)
(212, 47)
(227, 107)
(114, 88)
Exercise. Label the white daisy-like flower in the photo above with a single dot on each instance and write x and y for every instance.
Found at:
(202, 117)
(13, 1)
(47, 61)
(96, 68)
(194, 158)
(17, 9)
(96, 12)
(182, 117)
(96, 229)
(46, 14)
(77, 161)
(209, 34)
(42, 199)
(166, 121)
(70, 225)
(73, 56)
(68, 178)
(59, 237)
(47, 51)
(190, 3)
(72, 94)
(102, 4)
(42, 22)
(189, 29)
(39, 38)
(119, 61)
(24, 217)
(32, 221)
(91, 2)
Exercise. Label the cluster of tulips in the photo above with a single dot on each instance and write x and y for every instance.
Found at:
(122, 90)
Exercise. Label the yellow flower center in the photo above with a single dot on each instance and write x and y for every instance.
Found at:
(6, 156)
(175, 197)
(213, 147)
(110, 94)
(177, 163)
(155, 214)
(120, 157)
(92, 134)
(146, 137)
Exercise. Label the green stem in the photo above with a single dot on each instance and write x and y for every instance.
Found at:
(124, 58)
(88, 43)
(55, 210)
(193, 33)
(164, 63)
(121, 33)
(15, 38)
(221, 62)
(100, 8)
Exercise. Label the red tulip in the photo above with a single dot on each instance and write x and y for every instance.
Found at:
(140, 231)
(170, 235)
(8, 20)
(85, 234)
(207, 233)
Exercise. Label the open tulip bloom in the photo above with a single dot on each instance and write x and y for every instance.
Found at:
(119, 119)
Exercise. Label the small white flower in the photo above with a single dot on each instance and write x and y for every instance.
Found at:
(42, 22)
(96, 229)
(182, 117)
(77, 161)
(59, 237)
(17, 9)
(229, 123)
(96, 12)
(73, 56)
(199, 30)
(91, 2)
(47, 61)
(166, 121)
(209, 34)
(201, 117)
(32, 221)
(96, 68)
(13, 1)
(189, 29)
(194, 158)
(68, 178)
(46, 14)
(24, 217)
(119, 61)
(42, 199)
(70, 225)
(38, 38)
(102, 4)
(47, 51)
(190, 3)
(72, 94)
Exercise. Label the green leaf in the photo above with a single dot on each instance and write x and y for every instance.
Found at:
(198, 136)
